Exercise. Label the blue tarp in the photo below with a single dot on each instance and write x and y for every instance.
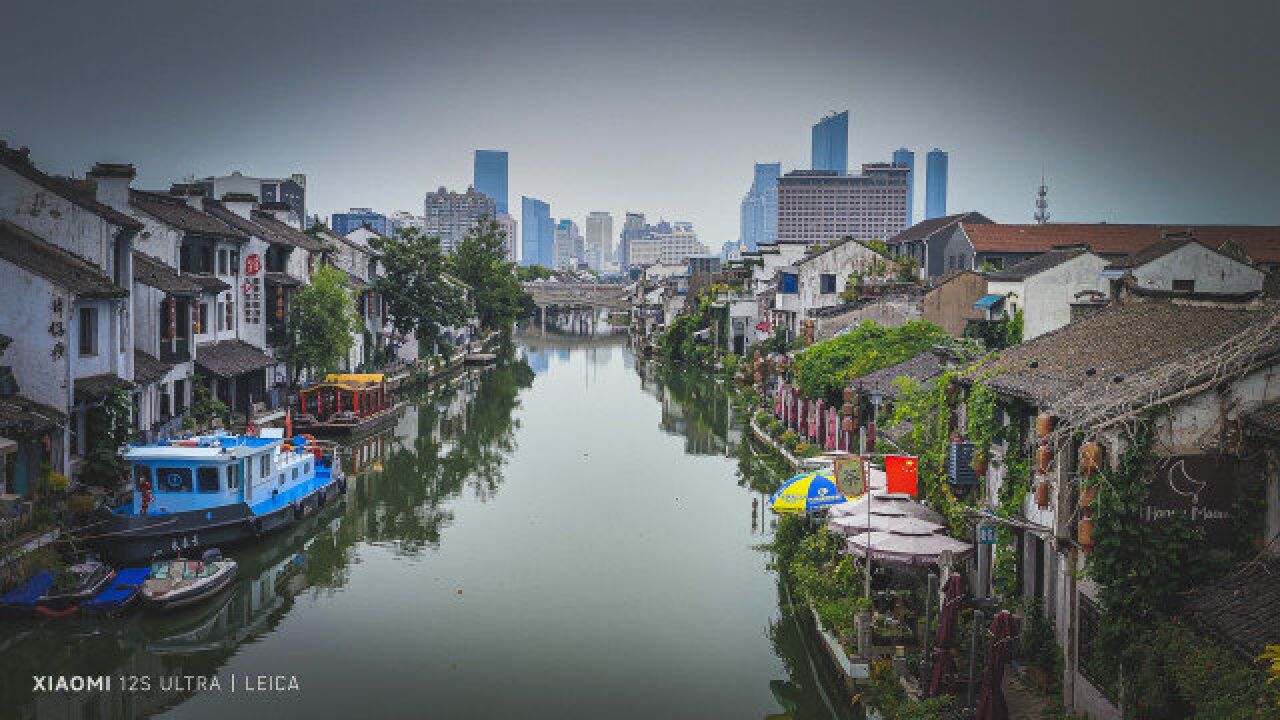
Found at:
(122, 591)
(26, 594)
(986, 302)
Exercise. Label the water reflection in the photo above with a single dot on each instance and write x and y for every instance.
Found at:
(449, 441)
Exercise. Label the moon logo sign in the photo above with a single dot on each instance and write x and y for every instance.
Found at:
(1182, 483)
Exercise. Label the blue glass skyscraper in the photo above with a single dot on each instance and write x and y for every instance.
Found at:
(344, 223)
(759, 217)
(903, 157)
(537, 233)
(831, 143)
(935, 187)
(490, 176)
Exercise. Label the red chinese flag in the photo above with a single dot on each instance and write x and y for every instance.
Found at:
(900, 474)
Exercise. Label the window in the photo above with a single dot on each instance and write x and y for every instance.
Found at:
(264, 466)
(222, 263)
(221, 318)
(827, 283)
(235, 262)
(295, 475)
(88, 331)
(234, 474)
(231, 315)
(1184, 285)
(788, 283)
(207, 480)
(141, 473)
(203, 326)
(173, 479)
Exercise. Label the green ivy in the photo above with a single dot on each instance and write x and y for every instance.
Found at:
(824, 369)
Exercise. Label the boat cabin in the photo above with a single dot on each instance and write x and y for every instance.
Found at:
(345, 397)
(210, 471)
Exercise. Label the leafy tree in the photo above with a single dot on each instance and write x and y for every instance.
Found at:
(109, 428)
(533, 272)
(825, 368)
(204, 407)
(321, 324)
(421, 297)
(480, 261)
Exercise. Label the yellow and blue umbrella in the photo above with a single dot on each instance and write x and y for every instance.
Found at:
(807, 492)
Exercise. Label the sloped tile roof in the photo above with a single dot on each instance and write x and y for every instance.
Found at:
(153, 272)
(1241, 611)
(99, 386)
(1120, 344)
(79, 193)
(176, 213)
(925, 366)
(1153, 252)
(1034, 266)
(286, 233)
(147, 369)
(20, 417)
(925, 228)
(62, 268)
(1265, 417)
(229, 358)
(1260, 242)
(208, 283)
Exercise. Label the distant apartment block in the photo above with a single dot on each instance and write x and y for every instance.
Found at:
(907, 159)
(633, 228)
(599, 240)
(490, 176)
(759, 213)
(343, 223)
(450, 215)
(830, 146)
(817, 206)
(669, 243)
(568, 244)
(405, 220)
(510, 229)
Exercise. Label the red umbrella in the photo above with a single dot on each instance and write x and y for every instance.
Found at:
(1004, 633)
(942, 680)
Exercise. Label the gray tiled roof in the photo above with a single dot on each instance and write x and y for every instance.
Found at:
(925, 366)
(1241, 611)
(176, 213)
(153, 272)
(147, 369)
(1034, 265)
(99, 386)
(79, 193)
(62, 268)
(229, 358)
(925, 228)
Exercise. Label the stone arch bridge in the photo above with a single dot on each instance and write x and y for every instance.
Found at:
(567, 296)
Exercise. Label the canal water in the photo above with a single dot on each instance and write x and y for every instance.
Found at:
(570, 534)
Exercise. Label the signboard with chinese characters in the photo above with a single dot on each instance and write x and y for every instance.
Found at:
(850, 477)
(252, 264)
(1201, 488)
(987, 534)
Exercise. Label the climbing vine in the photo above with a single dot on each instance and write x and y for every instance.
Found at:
(109, 426)
(927, 410)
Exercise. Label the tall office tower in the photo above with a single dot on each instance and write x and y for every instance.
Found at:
(536, 248)
(907, 159)
(568, 244)
(818, 206)
(831, 143)
(935, 188)
(343, 223)
(759, 214)
(633, 228)
(490, 176)
(450, 215)
(599, 239)
(509, 226)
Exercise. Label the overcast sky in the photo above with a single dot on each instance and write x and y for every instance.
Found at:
(1154, 112)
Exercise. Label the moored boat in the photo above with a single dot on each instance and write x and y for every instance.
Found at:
(345, 404)
(79, 581)
(179, 583)
(195, 493)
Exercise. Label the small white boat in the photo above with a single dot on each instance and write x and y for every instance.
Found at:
(179, 583)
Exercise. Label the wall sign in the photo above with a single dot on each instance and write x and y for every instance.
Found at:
(1199, 487)
(252, 264)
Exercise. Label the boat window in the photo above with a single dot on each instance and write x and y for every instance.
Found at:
(208, 570)
(207, 480)
(141, 473)
(173, 479)
(191, 570)
(295, 474)
(160, 570)
(264, 465)
(233, 476)
(307, 467)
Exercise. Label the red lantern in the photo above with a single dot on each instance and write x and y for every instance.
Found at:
(279, 303)
(173, 316)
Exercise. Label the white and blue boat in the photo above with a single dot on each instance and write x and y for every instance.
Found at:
(195, 493)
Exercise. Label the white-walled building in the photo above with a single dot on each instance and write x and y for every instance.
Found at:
(1044, 289)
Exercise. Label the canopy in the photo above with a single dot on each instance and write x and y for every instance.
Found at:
(806, 492)
(909, 548)
(883, 503)
(355, 378)
(880, 521)
(987, 302)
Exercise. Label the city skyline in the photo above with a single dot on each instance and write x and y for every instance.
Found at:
(1121, 135)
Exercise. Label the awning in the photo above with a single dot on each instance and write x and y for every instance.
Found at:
(20, 417)
(880, 521)
(912, 548)
(96, 387)
(283, 279)
(147, 369)
(230, 358)
(988, 302)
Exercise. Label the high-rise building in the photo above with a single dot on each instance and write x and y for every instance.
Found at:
(935, 185)
(291, 190)
(509, 227)
(669, 243)
(343, 223)
(633, 228)
(568, 244)
(490, 176)
(599, 240)
(831, 143)
(907, 159)
(818, 206)
(404, 220)
(450, 215)
(759, 215)
(537, 242)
